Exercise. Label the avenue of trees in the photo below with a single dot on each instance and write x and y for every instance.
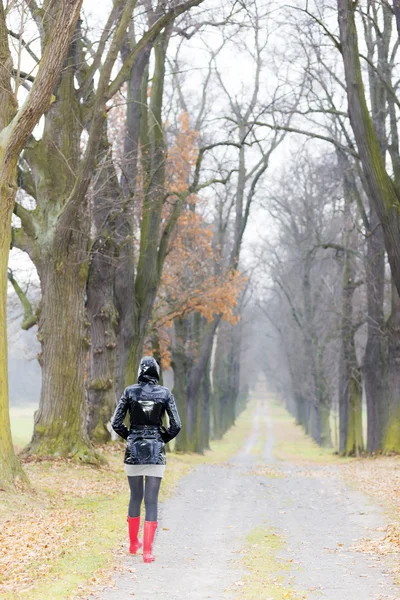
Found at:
(130, 255)
(332, 306)
(136, 165)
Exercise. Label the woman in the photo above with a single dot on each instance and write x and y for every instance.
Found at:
(147, 402)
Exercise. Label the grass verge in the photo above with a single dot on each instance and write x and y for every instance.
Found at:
(222, 450)
(292, 444)
(64, 539)
(21, 426)
(266, 573)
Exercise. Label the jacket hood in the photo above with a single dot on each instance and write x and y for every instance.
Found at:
(149, 370)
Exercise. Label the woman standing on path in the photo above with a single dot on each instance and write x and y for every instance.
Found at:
(147, 402)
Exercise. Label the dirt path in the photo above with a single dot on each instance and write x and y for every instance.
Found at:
(203, 529)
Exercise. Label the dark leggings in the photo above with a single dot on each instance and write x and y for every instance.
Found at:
(151, 488)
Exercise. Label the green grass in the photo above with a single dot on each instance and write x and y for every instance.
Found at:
(21, 426)
(293, 445)
(224, 449)
(266, 573)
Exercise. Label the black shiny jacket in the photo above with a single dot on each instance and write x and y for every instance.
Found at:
(147, 402)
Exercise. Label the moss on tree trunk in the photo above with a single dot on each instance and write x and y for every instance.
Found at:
(374, 359)
(102, 313)
(382, 189)
(391, 433)
(60, 427)
(350, 386)
(10, 468)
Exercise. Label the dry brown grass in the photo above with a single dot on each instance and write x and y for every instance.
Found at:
(66, 536)
(379, 478)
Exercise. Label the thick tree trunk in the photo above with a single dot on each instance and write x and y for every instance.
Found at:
(350, 388)
(102, 313)
(198, 405)
(350, 381)
(391, 434)
(382, 190)
(374, 362)
(61, 256)
(325, 425)
(10, 468)
(61, 421)
(124, 303)
(15, 128)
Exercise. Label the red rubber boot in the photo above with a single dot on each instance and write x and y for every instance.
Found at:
(148, 538)
(133, 527)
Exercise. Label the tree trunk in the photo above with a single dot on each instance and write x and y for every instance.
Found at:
(220, 381)
(197, 406)
(205, 392)
(102, 313)
(301, 418)
(350, 384)
(350, 388)
(153, 155)
(15, 128)
(318, 423)
(374, 363)
(126, 224)
(61, 421)
(230, 380)
(325, 425)
(382, 190)
(10, 468)
(181, 366)
(61, 256)
(391, 435)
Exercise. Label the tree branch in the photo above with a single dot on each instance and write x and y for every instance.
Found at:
(148, 38)
(30, 318)
(25, 45)
(309, 134)
(338, 248)
(21, 126)
(27, 219)
(88, 80)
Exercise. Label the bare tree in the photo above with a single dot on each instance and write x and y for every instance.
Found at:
(56, 234)
(16, 125)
